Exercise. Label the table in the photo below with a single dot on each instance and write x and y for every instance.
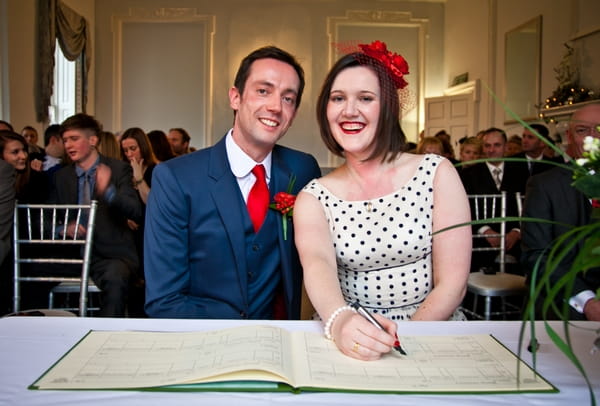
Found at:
(30, 345)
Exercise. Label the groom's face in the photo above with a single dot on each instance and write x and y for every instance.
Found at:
(266, 108)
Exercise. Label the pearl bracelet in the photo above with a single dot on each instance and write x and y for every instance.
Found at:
(327, 329)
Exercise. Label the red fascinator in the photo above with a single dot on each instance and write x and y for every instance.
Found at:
(395, 63)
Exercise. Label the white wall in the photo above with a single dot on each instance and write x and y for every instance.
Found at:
(463, 36)
(299, 26)
(473, 45)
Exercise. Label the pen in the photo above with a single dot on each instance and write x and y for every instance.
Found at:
(363, 312)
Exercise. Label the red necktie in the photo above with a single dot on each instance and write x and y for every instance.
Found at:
(258, 199)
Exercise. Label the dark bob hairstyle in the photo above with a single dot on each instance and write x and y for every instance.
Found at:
(389, 138)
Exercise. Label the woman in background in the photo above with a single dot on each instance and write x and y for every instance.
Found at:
(31, 185)
(430, 145)
(136, 149)
(365, 231)
(108, 145)
(160, 145)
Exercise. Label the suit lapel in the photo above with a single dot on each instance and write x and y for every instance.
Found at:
(225, 192)
(280, 178)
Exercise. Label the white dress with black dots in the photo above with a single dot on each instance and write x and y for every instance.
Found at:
(383, 245)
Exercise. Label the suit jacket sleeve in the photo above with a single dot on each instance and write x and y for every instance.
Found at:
(549, 196)
(166, 249)
(126, 200)
(7, 205)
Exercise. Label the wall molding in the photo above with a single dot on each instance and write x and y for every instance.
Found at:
(157, 16)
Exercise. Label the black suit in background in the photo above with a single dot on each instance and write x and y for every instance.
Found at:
(550, 196)
(537, 166)
(477, 179)
(7, 205)
(115, 263)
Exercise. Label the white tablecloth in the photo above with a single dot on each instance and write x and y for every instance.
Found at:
(30, 345)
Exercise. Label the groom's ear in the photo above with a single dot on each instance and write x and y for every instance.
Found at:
(235, 98)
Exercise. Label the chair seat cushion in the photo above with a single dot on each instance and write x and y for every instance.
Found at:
(499, 284)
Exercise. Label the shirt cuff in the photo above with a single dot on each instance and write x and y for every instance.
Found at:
(483, 229)
(578, 301)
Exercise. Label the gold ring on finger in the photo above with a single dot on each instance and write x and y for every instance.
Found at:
(356, 347)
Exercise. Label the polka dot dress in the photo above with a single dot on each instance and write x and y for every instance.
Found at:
(383, 245)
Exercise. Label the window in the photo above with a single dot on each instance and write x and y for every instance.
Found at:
(66, 92)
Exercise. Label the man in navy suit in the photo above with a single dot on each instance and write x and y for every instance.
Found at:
(203, 257)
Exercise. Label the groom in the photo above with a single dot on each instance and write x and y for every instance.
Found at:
(208, 255)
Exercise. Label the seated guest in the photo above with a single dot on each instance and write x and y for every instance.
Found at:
(551, 196)
(137, 151)
(533, 149)
(212, 247)
(364, 231)
(160, 146)
(492, 177)
(470, 150)
(5, 125)
(7, 206)
(114, 266)
(430, 145)
(31, 186)
(55, 150)
(513, 145)
(31, 136)
(179, 140)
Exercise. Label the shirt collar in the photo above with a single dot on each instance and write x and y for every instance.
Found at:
(537, 158)
(241, 164)
(492, 167)
(80, 172)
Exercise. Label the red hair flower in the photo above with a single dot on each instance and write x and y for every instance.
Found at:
(284, 203)
(394, 62)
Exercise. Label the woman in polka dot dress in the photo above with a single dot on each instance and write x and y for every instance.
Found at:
(364, 232)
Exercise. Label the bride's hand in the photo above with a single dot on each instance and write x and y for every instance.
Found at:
(358, 338)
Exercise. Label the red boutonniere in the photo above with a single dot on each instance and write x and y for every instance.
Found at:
(595, 203)
(394, 62)
(284, 203)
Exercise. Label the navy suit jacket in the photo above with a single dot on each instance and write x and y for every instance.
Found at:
(194, 246)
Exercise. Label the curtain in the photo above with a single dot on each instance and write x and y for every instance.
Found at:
(57, 21)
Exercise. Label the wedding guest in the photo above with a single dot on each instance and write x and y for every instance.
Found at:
(31, 186)
(206, 254)
(7, 206)
(493, 177)
(5, 125)
(365, 232)
(108, 145)
(114, 265)
(513, 145)
(551, 196)
(179, 140)
(137, 151)
(430, 145)
(55, 150)
(470, 150)
(31, 136)
(160, 145)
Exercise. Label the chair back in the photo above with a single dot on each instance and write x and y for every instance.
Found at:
(487, 206)
(40, 237)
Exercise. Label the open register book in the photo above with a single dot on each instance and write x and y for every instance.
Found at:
(269, 358)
